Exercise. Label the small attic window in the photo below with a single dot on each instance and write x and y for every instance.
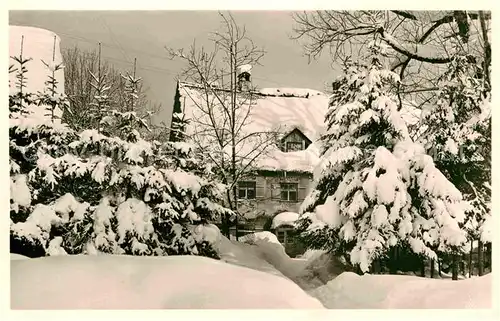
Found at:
(294, 141)
(294, 146)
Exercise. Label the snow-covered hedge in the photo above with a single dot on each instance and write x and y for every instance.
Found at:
(104, 189)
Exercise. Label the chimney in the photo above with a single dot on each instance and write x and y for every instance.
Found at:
(244, 77)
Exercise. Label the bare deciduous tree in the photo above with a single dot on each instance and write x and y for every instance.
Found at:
(421, 42)
(79, 67)
(223, 104)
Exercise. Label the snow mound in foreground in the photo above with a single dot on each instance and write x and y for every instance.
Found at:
(15, 256)
(131, 282)
(351, 291)
(246, 255)
(264, 253)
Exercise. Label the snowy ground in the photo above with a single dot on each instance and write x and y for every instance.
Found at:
(254, 274)
(131, 282)
(351, 291)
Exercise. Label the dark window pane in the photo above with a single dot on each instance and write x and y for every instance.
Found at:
(242, 193)
(293, 146)
(284, 195)
(292, 196)
(281, 236)
(250, 193)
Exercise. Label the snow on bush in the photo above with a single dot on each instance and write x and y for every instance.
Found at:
(349, 291)
(126, 282)
(284, 218)
(104, 189)
(374, 188)
(252, 238)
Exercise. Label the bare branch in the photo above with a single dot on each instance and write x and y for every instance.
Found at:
(405, 14)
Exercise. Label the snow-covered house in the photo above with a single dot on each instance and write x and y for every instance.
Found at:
(284, 172)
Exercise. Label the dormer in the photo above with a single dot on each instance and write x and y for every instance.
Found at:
(294, 141)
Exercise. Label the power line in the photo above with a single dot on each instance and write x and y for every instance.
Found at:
(123, 50)
(141, 66)
(113, 38)
(93, 41)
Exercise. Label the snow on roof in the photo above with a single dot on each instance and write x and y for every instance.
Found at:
(290, 92)
(245, 68)
(285, 218)
(273, 109)
(38, 44)
(135, 282)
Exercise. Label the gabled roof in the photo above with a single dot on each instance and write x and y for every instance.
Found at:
(273, 109)
(298, 131)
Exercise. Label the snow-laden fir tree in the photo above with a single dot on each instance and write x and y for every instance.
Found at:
(374, 188)
(90, 192)
(458, 136)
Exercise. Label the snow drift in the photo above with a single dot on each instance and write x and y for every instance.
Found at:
(263, 252)
(351, 291)
(132, 282)
(15, 256)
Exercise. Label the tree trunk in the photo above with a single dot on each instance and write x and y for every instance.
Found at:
(358, 270)
(225, 226)
(480, 258)
(433, 269)
(375, 268)
(233, 128)
(488, 255)
(422, 267)
(439, 267)
(392, 260)
(470, 258)
(236, 227)
(487, 48)
(455, 267)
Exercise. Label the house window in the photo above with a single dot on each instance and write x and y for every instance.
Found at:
(289, 192)
(246, 190)
(293, 146)
(281, 236)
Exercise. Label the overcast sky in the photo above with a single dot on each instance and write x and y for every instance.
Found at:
(126, 35)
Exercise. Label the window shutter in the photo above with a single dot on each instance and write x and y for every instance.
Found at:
(303, 188)
(260, 187)
(275, 191)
